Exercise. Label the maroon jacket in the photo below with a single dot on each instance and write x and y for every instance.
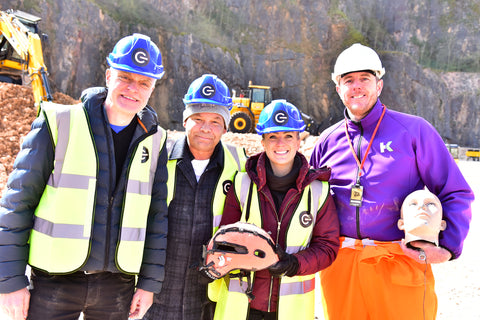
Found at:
(324, 245)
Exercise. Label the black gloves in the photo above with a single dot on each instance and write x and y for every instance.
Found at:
(288, 264)
(205, 277)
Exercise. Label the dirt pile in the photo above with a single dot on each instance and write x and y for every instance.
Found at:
(17, 112)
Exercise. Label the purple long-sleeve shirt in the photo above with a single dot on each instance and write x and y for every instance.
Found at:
(407, 154)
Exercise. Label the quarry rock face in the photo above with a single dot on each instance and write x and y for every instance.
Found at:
(429, 48)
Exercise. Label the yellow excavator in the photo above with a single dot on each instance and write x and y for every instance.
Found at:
(248, 105)
(21, 55)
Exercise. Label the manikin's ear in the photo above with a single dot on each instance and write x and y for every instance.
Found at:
(400, 224)
(443, 225)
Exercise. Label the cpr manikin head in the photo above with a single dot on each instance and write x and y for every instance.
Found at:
(421, 217)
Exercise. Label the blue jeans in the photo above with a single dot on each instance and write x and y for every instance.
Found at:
(100, 296)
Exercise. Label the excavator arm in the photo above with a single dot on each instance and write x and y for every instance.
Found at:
(27, 45)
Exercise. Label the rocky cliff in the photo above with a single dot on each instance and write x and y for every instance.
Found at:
(430, 49)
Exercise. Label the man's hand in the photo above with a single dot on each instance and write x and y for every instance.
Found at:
(15, 304)
(141, 302)
(433, 254)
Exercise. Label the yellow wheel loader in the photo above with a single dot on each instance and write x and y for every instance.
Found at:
(247, 107)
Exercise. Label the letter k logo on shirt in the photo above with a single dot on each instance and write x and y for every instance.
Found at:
(386, 146)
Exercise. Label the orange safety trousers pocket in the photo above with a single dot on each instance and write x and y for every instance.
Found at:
(373, 280)
(389, 257)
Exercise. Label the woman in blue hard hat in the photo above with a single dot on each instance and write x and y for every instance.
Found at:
(293, 204)
(85, 204)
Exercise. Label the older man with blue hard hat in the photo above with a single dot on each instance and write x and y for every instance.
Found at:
(85, 206)
(200, 170)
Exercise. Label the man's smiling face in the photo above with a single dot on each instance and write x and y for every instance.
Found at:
(128, 93)
(359, 92)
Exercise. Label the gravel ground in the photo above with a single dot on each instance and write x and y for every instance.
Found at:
(458, 281)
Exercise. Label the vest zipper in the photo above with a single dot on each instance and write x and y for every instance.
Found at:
(279, 222)
(271, 278)
(357, 209)
(276, 241)
(107, 247)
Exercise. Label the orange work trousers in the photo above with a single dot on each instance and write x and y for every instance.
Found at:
(374, 280)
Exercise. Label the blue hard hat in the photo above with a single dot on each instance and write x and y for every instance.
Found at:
(208, 89)
(280, 115)
(137, 54)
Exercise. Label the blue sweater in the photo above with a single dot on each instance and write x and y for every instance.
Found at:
(407, 154)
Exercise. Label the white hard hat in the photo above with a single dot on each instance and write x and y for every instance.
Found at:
(357, 58)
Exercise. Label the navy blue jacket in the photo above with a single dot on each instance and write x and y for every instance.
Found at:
(27, 181)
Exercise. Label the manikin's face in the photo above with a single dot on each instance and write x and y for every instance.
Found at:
(421, 217)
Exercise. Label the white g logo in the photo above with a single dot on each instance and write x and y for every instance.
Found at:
(207, 91)
(306, 219)
(280, 118)
(140, 57)
(227, 184)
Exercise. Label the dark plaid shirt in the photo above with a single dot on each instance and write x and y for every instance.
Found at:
(189, 227)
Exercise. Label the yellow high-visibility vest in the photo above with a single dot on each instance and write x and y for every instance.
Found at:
(61, 236)
(234, 161)
(297, 293)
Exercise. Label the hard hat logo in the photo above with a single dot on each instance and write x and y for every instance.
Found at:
(280, 118)
(140, 57)
(207, 91)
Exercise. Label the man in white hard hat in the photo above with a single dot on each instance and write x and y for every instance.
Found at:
(378, 156)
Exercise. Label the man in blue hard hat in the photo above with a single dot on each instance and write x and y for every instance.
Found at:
(200, 171)
(85, 205)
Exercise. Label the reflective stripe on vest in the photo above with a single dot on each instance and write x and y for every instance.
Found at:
(297, 294)
(60, 242)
